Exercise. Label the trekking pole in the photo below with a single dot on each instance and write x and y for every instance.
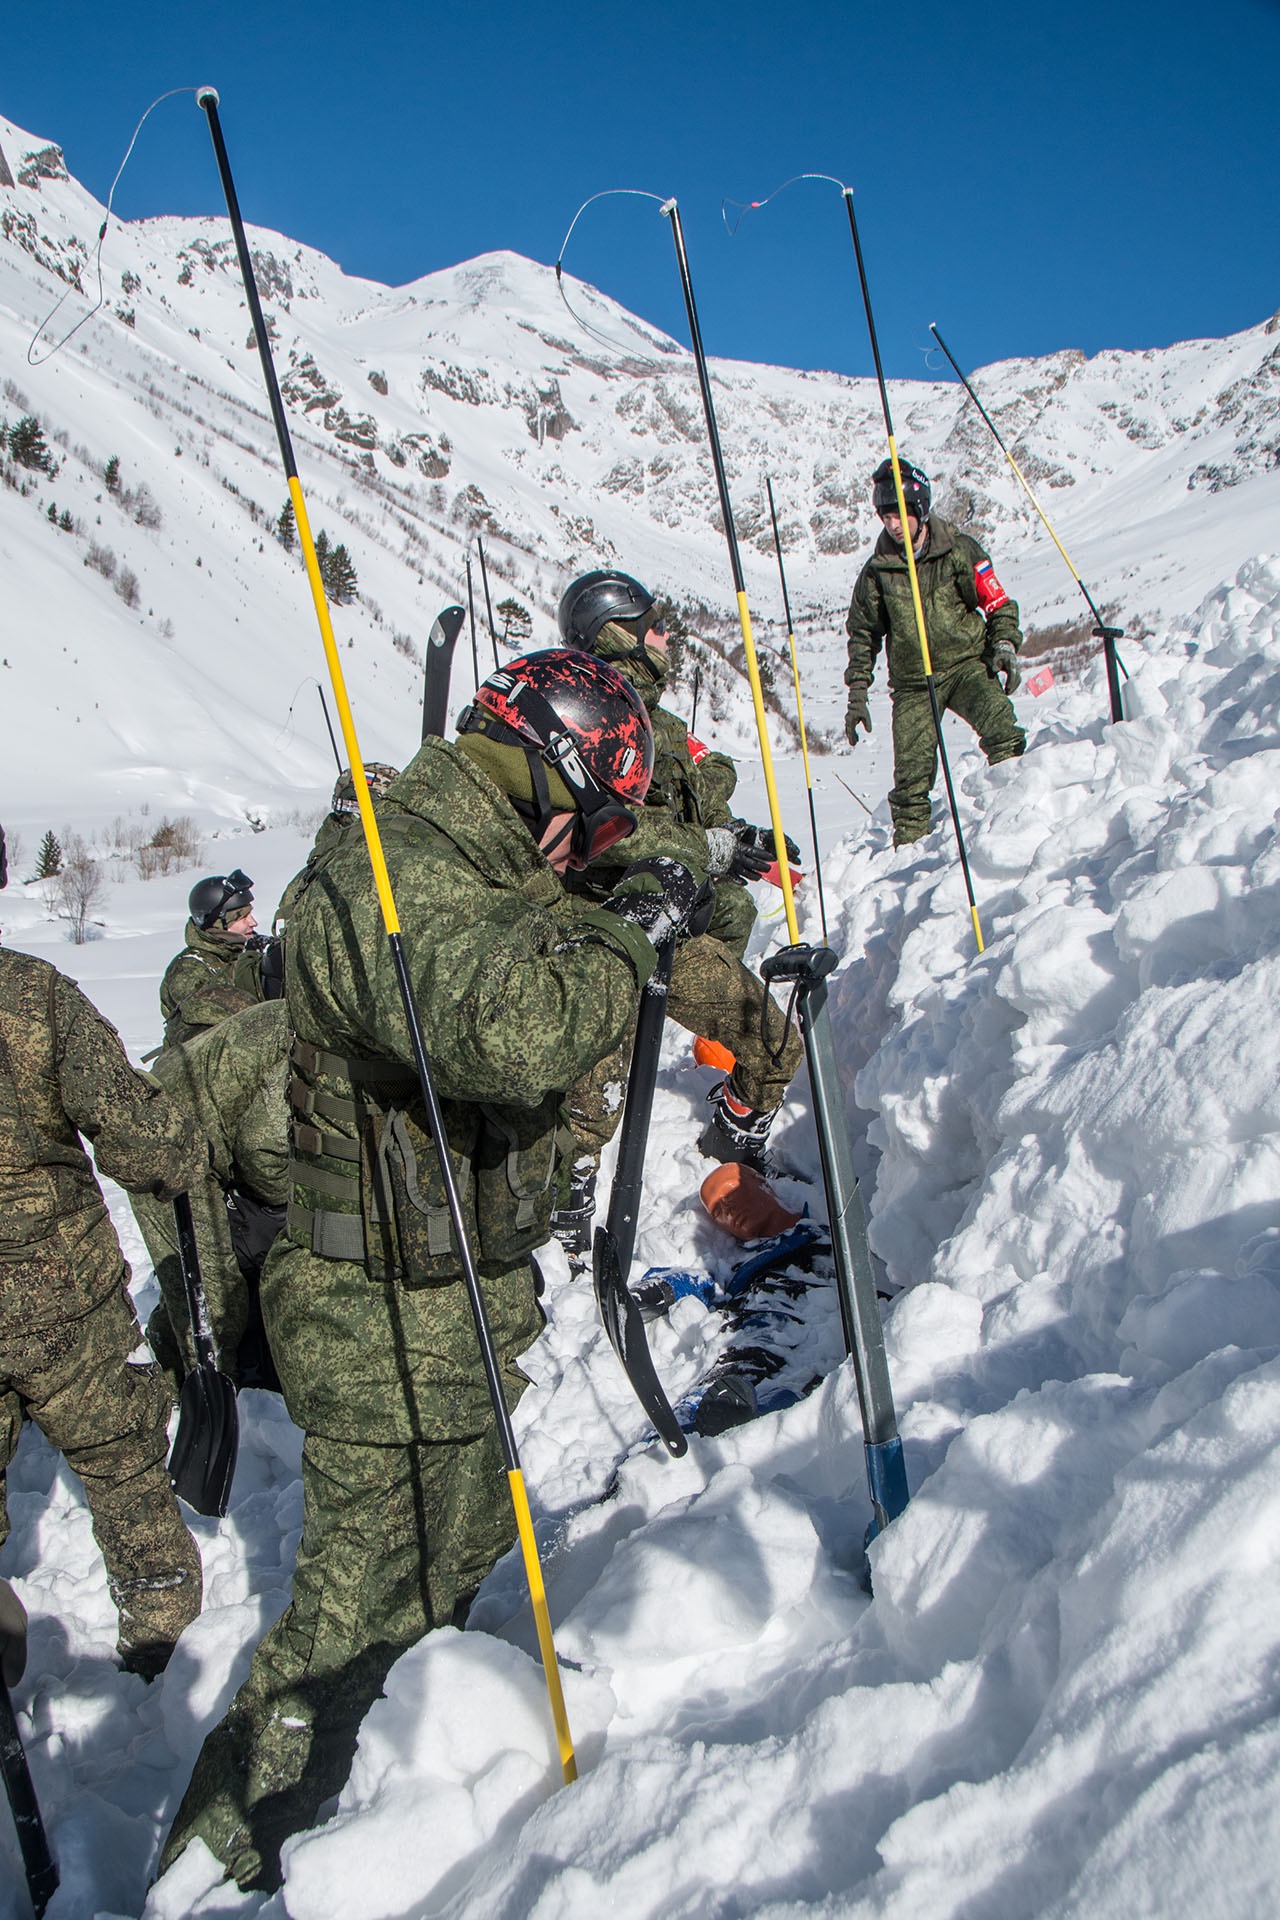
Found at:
(909, 551)
(697, 688)
(38, 1863)
(328, 722)
(806, 968)
(207, 99)
(795, 675)
(488, 603)
(1107, 635)
(471, 614)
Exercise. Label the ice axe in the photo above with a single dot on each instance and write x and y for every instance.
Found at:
(203, 1459)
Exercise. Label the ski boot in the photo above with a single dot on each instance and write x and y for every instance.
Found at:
(735, 1131)
(571, 1223)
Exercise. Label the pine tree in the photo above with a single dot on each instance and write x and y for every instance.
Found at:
(111, 474)
(49, 858)
(66, 523)
(287, 527)
(340, 576)
(517, 622)
(28, 447)
(322, 557)
(52, 514)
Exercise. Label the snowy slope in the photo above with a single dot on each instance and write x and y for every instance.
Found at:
(471, 400)
(1063, 1696)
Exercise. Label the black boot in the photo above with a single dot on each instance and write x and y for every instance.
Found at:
(735, 1131)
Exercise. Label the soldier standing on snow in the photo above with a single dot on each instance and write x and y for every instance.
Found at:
(974, 638)
(713, 993)
(203, 983)
(67, 1327)
(406, 1506)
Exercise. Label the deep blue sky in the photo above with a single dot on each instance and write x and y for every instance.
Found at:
(1029, 177)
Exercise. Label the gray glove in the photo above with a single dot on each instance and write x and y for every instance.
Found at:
(13, 1636)
(1004, 665)
(859, 715)
(728, 854)
(660, 896)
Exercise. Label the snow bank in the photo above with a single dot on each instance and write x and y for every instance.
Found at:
(1063, 1696)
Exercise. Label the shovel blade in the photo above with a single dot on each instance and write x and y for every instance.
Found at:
(203, 1459)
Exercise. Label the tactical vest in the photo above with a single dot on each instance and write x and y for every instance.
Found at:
(366, 1179)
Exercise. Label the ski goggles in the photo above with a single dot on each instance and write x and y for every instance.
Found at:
(238, 898)
(595, 832)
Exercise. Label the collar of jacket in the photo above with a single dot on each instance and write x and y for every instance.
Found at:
(215, 942)
(443, 786)
(942, 537)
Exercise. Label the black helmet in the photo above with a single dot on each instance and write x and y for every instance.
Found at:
(916, 490)
(582, 718)
(220, 898)
(4, 861)
(590, 603)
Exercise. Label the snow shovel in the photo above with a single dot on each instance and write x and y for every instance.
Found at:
(203, 1459)
(38, 1863)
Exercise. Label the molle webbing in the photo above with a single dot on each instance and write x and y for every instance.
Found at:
(333, 1235)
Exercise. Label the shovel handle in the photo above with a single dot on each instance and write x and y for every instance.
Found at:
(193, 1286)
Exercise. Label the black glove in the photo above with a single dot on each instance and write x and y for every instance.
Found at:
(1004, 665)
(762, 837)
(660, 896)
(859, 715)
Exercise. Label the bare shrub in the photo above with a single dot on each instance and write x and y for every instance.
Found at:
(80, 889)
(174, 844)
(102, 560)
(127, 587)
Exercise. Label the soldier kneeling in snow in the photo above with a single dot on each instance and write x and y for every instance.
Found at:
(972, 627)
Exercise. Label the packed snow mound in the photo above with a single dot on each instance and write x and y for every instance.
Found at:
(1063, 1696)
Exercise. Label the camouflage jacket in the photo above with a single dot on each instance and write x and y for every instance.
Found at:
(966, 610)
(516, 1000)
(232, 1080)
(200, 984)
(63, 1074)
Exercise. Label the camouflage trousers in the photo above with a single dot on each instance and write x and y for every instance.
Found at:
(395, 1541)
(972, 691)
(109, 1420)
(714, 994)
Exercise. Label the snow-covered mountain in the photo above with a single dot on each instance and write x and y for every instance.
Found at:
(471, 400)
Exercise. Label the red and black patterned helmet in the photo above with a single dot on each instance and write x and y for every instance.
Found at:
(581, 717)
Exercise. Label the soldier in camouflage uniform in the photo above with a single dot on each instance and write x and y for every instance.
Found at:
(405, 1502)
(204, 983)
(974, 638)
(713, 992)
(232, 1080)
(67, 1327)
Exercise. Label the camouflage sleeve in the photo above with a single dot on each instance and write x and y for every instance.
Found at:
(866, 628)
(520, 1002)
(982, 591)
(717, 777)
(139, 1137)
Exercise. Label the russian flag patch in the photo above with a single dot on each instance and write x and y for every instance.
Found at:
(988, 589)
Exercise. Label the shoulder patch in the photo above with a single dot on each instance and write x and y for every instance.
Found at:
(697, 751)
(988, 589)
